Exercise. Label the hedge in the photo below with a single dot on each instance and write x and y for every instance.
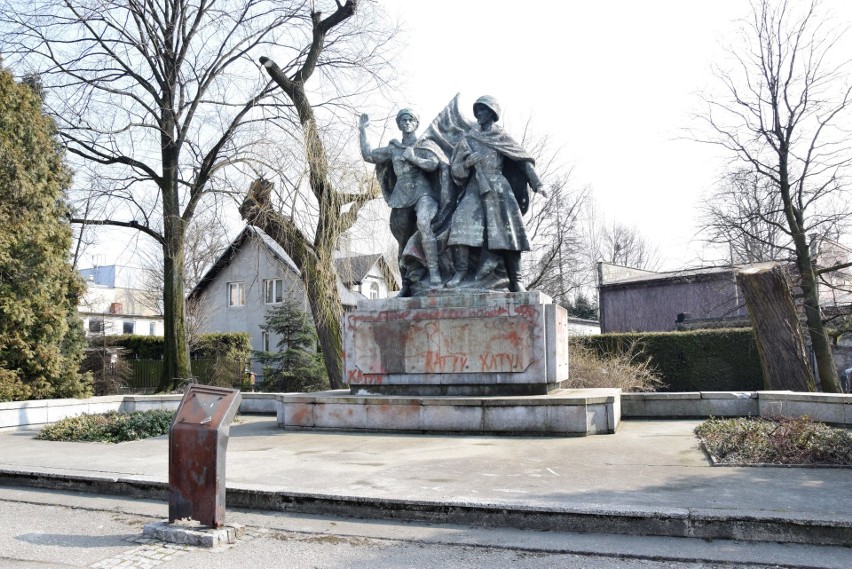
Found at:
(231, 345)
(138, 347)
(701, 360)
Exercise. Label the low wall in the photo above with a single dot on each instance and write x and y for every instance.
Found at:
(17, 414)
(825, 407)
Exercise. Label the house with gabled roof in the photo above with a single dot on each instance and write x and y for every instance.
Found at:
(370, 275)
(255, 274)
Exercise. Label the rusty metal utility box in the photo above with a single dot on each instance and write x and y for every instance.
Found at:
(198, 440)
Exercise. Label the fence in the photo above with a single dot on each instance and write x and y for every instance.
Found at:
(144, 375)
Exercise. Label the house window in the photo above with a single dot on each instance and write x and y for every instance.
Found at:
(152, 329)
(236, 294)
(264, 341)
(374, 290)
(127, 327)
(274, 291)
(96, 325)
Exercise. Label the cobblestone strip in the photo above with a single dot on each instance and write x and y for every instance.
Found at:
(151, 553)
(154, 552)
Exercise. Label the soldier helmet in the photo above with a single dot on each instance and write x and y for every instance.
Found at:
(490, 102)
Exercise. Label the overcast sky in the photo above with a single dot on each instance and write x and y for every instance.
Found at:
(612, 83)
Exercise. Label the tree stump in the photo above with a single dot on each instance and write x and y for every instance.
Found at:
(783, 355)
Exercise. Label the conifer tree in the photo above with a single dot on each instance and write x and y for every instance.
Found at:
(41, 336)
(584, 307)
(296, 365)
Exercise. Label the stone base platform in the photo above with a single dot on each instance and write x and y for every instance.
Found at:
(193, 534)
(564, 412)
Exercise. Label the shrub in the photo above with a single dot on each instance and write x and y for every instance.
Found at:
(222, 359)
(41, 335)
(110, 372)
(627, 370)
(138, 347)
(11, 386)
(217, 359)
(781, 440)
(111, 427)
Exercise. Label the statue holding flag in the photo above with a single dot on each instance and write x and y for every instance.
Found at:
(458, 194)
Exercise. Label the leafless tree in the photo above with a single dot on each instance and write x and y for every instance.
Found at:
(205, 242)
(612, 242)
(161, 103)
(746, 215)
(552, 224)
(780, 115)
(621, 244)
(336, 195)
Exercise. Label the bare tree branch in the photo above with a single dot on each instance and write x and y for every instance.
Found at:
(782, 127)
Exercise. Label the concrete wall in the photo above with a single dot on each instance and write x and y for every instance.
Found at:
(18, 414)
(824, 407)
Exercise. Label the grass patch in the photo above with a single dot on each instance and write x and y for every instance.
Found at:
(780, 440)
(111, 427)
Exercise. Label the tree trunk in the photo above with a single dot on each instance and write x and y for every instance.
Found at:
(317, 267)
(825, 369)
(327, 310)
(176, 366)
(783, 356)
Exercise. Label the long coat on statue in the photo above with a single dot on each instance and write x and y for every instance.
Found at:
(496, 192)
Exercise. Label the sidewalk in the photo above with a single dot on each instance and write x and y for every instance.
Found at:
(649, 478)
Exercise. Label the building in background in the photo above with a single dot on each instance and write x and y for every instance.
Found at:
(369, 275)
(255, 274)
(634, 300)
(116, 302)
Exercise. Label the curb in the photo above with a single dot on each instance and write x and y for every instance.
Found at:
(670, 522)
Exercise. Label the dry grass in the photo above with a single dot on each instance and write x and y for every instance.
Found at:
(628, 370)
(781, 440)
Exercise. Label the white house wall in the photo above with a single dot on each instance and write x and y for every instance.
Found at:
(114, 307)
(374, 276)
(113, 324)
(252, 264)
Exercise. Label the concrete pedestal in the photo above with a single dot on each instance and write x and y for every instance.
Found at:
(457, 343)
(191, 534)
(456, 362)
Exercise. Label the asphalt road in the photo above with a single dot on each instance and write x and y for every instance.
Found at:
(40, 529)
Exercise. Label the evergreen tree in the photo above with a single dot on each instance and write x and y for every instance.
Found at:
(296, 366)
(41, 336)
(584, 308)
